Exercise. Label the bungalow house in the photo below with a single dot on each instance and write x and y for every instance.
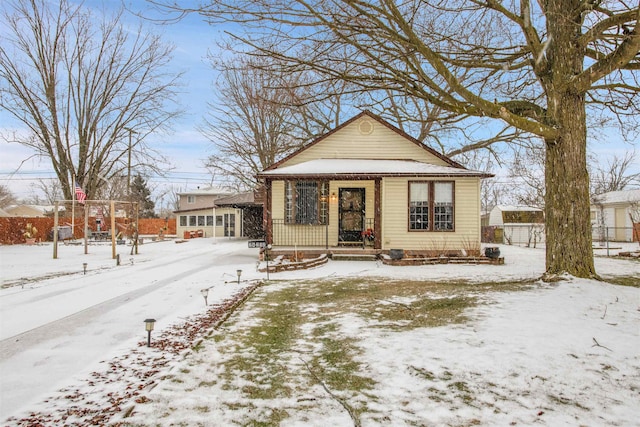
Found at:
(368, 184)
(517, 225)
(614, 214)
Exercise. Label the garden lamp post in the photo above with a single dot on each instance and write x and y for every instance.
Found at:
(205, 294)
(239, 273)
(148, 326)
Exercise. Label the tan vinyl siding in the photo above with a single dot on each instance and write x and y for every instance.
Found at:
(350, 143)
(208, 230)
(395, 218)
(277, 200)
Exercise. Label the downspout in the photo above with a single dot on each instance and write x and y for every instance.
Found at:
(267, 223)
(377, 215)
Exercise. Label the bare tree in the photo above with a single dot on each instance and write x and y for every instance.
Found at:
(88, 90)
(534, 67)
(6, 196)
(261, 116)
(50, 188)
(527, 172)
(492, 192)
(615, 175)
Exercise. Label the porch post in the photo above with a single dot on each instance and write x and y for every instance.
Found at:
(377, 215)
(267, 223)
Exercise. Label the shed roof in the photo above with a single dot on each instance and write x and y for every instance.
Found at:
(241, 199)
(516, 208)
(617, 197)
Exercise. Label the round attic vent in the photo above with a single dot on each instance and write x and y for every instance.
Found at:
(365, 127)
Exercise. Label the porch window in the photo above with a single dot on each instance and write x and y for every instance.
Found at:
(431, 206)
(306, 202)
(183, 220)
(192, 220)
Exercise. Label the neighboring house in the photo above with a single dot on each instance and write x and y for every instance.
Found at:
(32, 211)
(4, 214)
(369, 183)
(216, 212)
(519, 224)
(614, 214)
(248, 206)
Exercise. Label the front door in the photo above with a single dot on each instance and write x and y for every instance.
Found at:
(352, 214)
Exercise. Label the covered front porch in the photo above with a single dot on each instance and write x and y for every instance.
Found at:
(324, 216)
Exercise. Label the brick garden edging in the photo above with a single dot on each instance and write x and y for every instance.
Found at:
(441, 260)
(278, 264)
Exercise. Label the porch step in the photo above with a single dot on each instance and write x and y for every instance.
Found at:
(354, 257)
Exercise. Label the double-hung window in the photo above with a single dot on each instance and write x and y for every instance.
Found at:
(419, 206)
(443, 206)
(431, 206)
(306, 202)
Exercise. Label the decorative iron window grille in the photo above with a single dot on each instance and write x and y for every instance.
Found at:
(306, 202)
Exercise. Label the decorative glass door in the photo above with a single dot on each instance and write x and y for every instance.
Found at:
(352, 213)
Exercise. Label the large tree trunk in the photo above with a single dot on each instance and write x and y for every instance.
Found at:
(568, 221)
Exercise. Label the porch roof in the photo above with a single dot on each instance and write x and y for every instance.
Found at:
(364, 168)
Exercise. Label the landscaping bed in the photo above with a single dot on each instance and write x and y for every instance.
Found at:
(421, 260)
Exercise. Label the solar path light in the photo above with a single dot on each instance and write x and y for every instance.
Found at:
(84, 268)
(239, 273)
(148, 326)
(205, 294)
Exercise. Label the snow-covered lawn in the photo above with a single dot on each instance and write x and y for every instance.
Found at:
(348, 343)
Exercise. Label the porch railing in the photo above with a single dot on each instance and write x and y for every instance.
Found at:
(314, 235)
(299, 234)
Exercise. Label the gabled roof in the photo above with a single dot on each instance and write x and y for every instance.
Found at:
(379, 120)
(32, 210)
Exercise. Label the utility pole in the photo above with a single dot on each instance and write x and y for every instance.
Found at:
(131, 131)
(134, 246)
